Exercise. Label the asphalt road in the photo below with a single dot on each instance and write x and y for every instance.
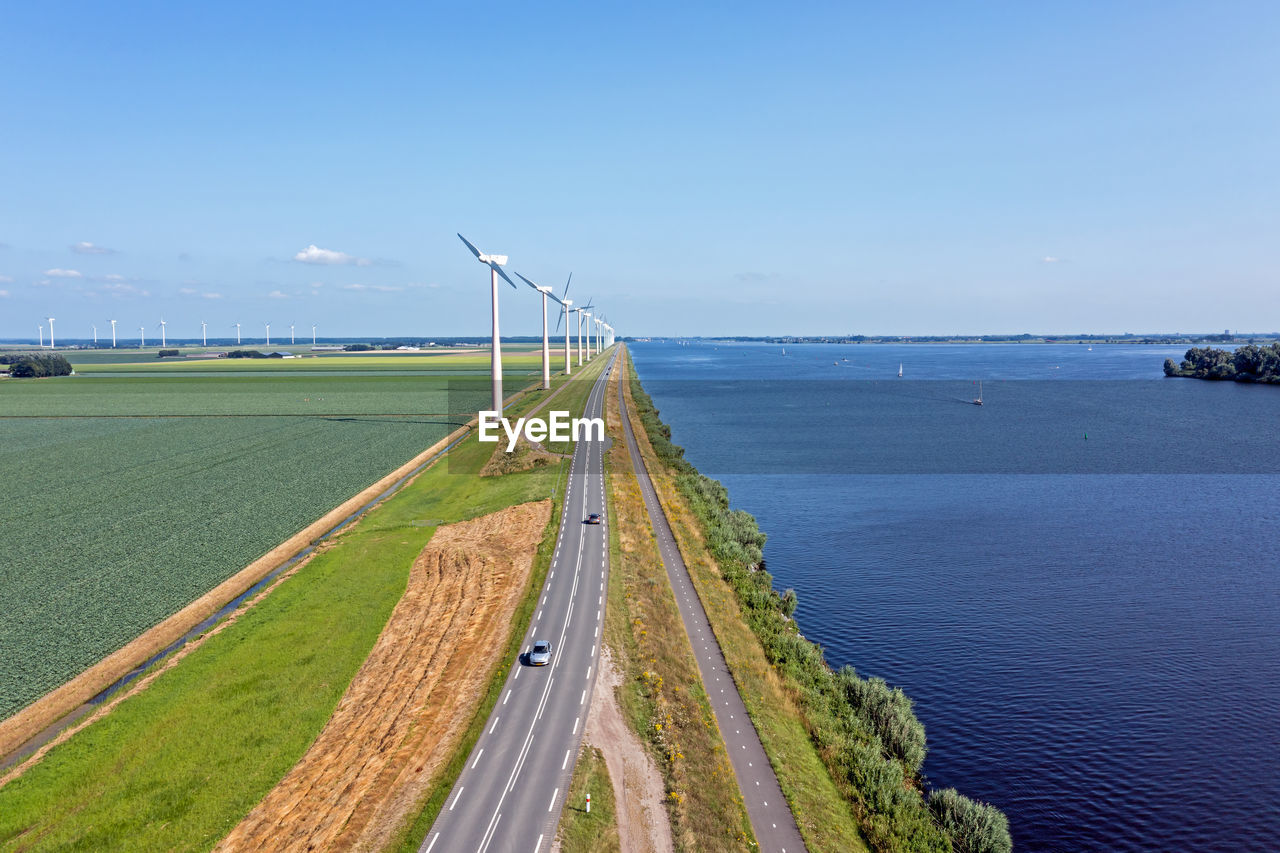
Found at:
(510, 794)
(771, 819)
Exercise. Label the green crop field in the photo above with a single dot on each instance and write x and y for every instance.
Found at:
(128, 496)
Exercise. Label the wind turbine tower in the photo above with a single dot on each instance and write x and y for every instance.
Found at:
(42, 336)
(585, 315)
(495, 264)
(204, 333)
(95, 336)
(565, 305)
(163, 342)
(50, 333)
(546, 342)
(268, 334)
(142, 336)
(113, 334)
(313, 334)
(237, 334)
(291, 339)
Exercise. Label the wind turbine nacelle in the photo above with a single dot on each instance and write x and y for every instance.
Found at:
(500, 260)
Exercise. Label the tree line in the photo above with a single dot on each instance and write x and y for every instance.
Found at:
(1250, 363)
(37, 364)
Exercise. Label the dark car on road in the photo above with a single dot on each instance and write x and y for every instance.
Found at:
(541, 654)
(594, 518)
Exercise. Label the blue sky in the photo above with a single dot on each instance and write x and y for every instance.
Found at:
(738, 168)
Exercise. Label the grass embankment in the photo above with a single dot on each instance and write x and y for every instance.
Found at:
(858, 742)
(596, 832)
(662, 696)
(180, 763)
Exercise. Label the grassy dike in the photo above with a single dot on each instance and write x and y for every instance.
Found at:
(847, 750)
(661, 695)
(175, 766)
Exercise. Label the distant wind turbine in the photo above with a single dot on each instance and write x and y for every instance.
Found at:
(42, 336)
(142, 336)
(50, 333)
(113, 334)
(204, 334)
(546, 342)
(291, 340)
(163, 342)
(237, 325)
(95, 336)
(268, 334)
(495, 264)
(313, 334)
(565, 304)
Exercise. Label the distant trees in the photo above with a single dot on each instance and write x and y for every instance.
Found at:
(357, 348)
(246, 353)
(36, 365)
(168, 353)
(1250, 363)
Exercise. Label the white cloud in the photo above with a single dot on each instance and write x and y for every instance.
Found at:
(83, 248)
(4, 294)
(278, 294)
(4, 279)
(187, 291)
(381, 288)
(211, 295)
(313, 254)
(114, 277)
(60, 273)
(317, 284)
(121, 289)
(1050, 259)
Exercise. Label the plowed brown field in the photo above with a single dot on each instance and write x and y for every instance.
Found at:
(400, 719)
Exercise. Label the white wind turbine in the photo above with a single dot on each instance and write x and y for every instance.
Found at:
(495, 264)
(291, 338)
(546, 342)
(204, 334)
(584, 314)
(113, 334)
(95, 336)
(142, 336)
(50, 333)
(163, 342)
(237, 325)
(313, 334)
(566, 304)
(268, 334)
(42, 336)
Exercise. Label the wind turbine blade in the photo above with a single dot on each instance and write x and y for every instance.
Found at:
(499, 271)
(473, 249)
(526, 281)
(565, 295)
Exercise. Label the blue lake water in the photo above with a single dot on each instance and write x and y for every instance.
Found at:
(1078, 582)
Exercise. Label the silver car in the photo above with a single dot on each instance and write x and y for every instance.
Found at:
(541, 654)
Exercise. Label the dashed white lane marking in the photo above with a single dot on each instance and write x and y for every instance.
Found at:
(433, 842)
(477, 761)
(455, 799)
(538, 846)
(495, 724)
(564, 764)
(588, 673)
(505, 698)
(584, 697)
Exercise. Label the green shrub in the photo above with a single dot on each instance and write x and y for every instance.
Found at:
(39, 364)
(974, 827)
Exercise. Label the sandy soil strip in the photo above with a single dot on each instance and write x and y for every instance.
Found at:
(30, 721)
(643, 825)
(403, 713)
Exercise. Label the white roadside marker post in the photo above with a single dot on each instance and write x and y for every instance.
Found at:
(588, 804)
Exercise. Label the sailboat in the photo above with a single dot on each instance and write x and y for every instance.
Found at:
(899, 370)
(977, 401)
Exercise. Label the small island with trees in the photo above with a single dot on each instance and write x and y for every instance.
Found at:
(1250, 363)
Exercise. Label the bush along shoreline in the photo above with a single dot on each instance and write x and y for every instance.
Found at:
(1251, 363)
(865, 731)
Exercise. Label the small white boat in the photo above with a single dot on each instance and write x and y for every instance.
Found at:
(977, 401)
(899, 370)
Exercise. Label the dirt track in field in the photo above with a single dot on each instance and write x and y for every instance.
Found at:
(405, 710)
